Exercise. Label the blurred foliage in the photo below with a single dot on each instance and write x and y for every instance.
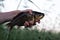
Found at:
(26, 34)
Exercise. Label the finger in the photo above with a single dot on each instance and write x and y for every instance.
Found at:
(39, 21)
(28, 10)
(26, 23)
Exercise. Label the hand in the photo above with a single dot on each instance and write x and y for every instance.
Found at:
(11, 15)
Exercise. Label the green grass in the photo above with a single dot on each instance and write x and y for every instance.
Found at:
(25, 34)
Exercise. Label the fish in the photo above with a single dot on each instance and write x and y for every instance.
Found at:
(20, 19)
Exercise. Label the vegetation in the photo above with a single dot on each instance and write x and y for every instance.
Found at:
(26, 34)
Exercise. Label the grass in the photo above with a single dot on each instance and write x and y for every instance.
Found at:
(26, 34)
